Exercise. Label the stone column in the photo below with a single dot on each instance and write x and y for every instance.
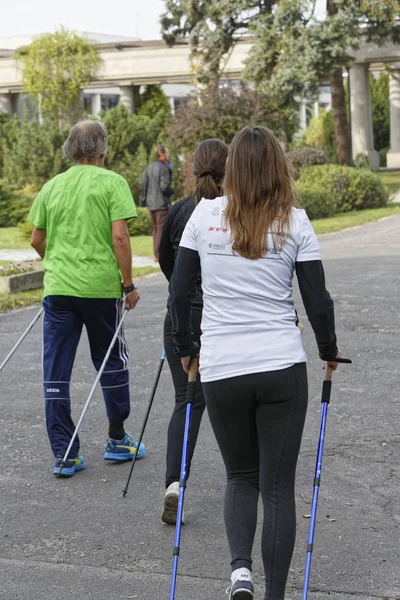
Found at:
(361, 114)
(303, 115)
(126, 97)
(393, 157)
(5, 104)
(96, 104)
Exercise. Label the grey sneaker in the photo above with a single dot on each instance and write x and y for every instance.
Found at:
(241, 587)
(171, 500)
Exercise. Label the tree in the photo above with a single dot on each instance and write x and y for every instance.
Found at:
(293, 50)
(55, 67)
(153, 101)
(220, 112)
(32, 152)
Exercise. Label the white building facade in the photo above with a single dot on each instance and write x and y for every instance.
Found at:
(126, 65)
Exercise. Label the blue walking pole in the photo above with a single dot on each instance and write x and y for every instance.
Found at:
(326, 397)
(153, 393)
(191, 388)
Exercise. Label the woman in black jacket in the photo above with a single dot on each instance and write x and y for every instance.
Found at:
(209, 169)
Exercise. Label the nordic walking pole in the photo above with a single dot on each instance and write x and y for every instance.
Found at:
(326, 397)
(21, 339)
(153, 393)
(92, 391)
(191, 388)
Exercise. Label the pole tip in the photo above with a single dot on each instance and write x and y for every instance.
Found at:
(62, 465)
(124, 493)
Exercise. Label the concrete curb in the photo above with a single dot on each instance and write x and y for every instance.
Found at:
(21, 283)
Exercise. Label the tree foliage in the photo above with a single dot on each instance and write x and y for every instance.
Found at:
(221, 112)
(132, 136)
(55, 67)
(31, 152)
(153, 101)
(293, 48)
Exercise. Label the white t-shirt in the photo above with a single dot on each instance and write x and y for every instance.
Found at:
(249, 320)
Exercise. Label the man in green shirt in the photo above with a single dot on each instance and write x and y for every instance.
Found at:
(80, 231)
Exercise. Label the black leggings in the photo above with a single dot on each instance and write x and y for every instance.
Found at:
(177, 424)
(258, 421)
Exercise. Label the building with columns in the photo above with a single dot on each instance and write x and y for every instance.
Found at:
(126, 65)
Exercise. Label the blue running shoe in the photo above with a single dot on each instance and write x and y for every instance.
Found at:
(72, 465)
(123, 450)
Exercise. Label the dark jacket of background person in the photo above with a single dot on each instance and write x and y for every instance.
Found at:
(174, 226)
(155, 186)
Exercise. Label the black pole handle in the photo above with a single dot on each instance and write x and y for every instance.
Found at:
(344, 361)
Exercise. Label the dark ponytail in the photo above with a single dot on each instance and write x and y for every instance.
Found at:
(209, 168)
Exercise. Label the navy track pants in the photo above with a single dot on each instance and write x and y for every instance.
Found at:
(64, 317)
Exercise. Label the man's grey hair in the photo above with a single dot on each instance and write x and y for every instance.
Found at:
(87, 139)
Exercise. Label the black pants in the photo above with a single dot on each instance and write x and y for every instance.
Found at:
(258, 421)
(177, 424)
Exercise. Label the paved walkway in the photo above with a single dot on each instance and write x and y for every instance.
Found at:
(79, 540)
(29, 254)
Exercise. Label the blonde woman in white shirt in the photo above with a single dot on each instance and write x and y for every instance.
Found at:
(248, 245)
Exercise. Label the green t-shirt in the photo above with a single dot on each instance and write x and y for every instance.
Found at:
(77, 209)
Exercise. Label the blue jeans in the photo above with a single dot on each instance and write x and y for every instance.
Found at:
(64, 317)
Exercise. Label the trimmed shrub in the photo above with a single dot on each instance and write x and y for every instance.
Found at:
(306, 157)
(316, 201)
(14, 206)
(383, 157)
(142, 224)
(26, 229)
(351, 189)
(361, 161)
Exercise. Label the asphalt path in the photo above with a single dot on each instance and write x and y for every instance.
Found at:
(78, 539)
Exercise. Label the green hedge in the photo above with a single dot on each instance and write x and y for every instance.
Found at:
(26, 229)
(317, 203)
(306, 157)
(14, 206)
(142, 224)
(347, 188)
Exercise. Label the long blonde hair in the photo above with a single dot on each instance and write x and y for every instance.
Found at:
(260, 190)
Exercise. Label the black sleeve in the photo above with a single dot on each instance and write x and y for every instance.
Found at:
(166, 252)
(182, 289)
(318, 305)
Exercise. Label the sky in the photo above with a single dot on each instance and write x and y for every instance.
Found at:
(131, 18)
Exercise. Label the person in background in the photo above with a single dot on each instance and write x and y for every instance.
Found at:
(209, 169)
(248, 245)
(156, 192)
(80, 232)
